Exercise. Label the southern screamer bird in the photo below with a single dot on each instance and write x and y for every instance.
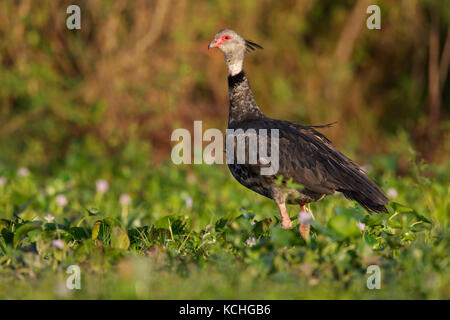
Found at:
(306, 157)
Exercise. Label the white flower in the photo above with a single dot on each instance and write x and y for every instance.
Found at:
(361, 226)
(2, 181)
(392, 193)
(189, 202)
(49, 218)
(252, 223)
(58, 243)
(304, 217)
(102, 185)
(23, 172)
(251, 241)
(125, 199)
(61, 200)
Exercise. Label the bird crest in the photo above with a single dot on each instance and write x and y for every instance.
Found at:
(250, 46)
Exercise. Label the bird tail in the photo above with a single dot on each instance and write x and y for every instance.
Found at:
(369, 200)
(360, 188)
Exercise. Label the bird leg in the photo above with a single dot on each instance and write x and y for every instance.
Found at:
(286, 222)
(305, 221)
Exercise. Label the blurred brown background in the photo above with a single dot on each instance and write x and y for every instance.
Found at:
(138, 69)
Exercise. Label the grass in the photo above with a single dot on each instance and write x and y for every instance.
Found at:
(185, 235)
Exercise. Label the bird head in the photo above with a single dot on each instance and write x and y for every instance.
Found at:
(233, 47)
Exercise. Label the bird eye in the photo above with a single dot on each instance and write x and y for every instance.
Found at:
(227, 37)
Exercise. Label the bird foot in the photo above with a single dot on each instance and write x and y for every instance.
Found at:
(286, 223)
(305, 222)
(304, 231)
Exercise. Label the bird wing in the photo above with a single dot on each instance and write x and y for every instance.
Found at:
(310, 159)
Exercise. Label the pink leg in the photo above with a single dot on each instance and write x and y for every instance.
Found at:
(286, 222)
(305, 219)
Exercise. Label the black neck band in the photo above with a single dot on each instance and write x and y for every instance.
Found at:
(236, 79)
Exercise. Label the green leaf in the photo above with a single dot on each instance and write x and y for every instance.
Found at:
(351, 212)
(422, 218)
(374, 220)
(371, 240)
(163, 223)
(33, 234)
(405, 210)
(93, 211)
(96, 230)
(281, 237)
(22, 231)
(112, 222)
(261, 226)
(2, 243)
(400, 208)
(119, 239)
(80, 233)
(394, 224)
(8, 236)
(345, 226)
(4, 224)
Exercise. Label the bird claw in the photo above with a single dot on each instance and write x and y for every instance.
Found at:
(286, 224)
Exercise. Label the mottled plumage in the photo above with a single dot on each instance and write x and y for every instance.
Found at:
(306, 157)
